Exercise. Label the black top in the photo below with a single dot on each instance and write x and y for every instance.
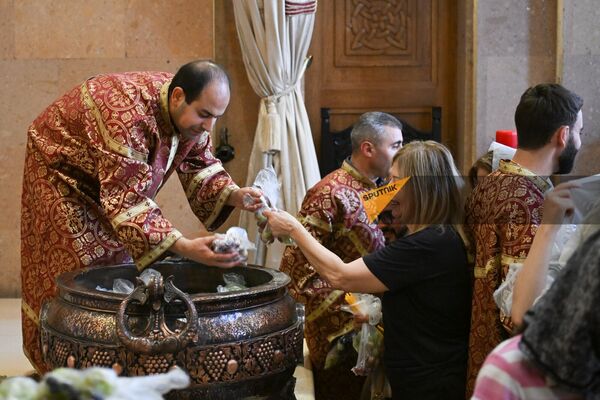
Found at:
(427, 309)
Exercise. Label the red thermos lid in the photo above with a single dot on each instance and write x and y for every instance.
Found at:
(508, 138)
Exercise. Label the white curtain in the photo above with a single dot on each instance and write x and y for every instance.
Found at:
(274, 36)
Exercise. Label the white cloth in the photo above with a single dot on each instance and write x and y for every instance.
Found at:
(586, 222)
(274, 48)
(500, 152)
(566, 241)
(586, 197)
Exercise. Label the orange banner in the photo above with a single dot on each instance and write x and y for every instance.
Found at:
(376, 200)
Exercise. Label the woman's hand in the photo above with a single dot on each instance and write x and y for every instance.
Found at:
(558, 204)
(246, 198)
(360, 319)
(281, 223)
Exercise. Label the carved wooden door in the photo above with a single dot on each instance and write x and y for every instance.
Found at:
(386, 55)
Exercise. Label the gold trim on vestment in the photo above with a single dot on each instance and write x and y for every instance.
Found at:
(511, 167)
(346, 166)
(153, 254)
(164, 106)
(338, 230)
(202, 175)
(109, 140)
(30, 313)
(507, 260)
(316, 222)
(221, 202)
(133, 212)
(481, 272)
(329, 300)
(341, 230)
(348, 327)
(334, 295)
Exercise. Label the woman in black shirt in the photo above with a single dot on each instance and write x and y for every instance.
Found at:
(424, 276)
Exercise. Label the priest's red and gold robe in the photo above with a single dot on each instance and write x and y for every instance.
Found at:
(333, 213)
(502, 215)
(96, 158)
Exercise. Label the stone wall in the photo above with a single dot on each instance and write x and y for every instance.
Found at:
(516, 48)
(47, 47)
(581, 73)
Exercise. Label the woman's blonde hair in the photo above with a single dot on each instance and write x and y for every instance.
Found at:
(435, 188)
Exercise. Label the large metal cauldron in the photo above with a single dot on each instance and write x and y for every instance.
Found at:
(233, 345)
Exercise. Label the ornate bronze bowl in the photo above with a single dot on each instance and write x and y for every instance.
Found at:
(234, 345)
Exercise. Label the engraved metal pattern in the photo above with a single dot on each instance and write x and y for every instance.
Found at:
(156, 364)
(61, 352)
(256, 357)
(160, 338)
(377, 27)
(265, 354)
(215, 363)
(100, 358)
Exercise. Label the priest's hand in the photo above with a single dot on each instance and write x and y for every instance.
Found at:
(282, 223)
(199, 250)
(246, 198)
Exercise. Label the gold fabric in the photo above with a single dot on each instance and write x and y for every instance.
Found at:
(502, 214)
(333, 213)
(94, 162)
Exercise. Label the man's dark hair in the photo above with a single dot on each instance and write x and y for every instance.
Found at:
(194, 76)
(542, 110)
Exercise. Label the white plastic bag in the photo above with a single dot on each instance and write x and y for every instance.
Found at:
(125, 286)
(369, 342)
(266, 181)
(235, 239)
(500, 152)
(101, 383)
(233, 282)
(585, 197)
(564, 241)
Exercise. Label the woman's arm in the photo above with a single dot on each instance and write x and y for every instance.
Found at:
(531, 279)
(353, 276)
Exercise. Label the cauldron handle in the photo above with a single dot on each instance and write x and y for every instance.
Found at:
(159, 338)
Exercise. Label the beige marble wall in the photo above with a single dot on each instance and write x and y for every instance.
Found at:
(581, 73)
(516, 48)
(46, 47)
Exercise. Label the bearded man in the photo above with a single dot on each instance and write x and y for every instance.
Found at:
(505, 209)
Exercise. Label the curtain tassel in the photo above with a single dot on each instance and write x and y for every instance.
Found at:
(271, 123)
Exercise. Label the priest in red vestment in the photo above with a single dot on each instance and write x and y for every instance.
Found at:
(95, 160)
(333, 213)
(504, 211)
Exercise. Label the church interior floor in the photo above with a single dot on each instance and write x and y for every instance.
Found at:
(12, 360)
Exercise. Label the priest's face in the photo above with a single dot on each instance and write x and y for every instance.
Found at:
(385, 151)
(199, 116)
(566, 160)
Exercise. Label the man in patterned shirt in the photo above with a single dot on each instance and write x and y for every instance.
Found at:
(95, 160)
(505, 210)
(333, 213)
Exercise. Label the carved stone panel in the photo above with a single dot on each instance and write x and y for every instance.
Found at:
(378, 27)
(382, 33)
